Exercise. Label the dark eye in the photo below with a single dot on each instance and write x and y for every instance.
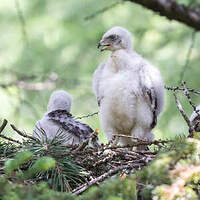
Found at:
(113, 37)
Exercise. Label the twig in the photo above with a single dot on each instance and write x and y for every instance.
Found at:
(141, 142)
(188, 56)
(86, 116)
(22, 134)
(101, 178)
(102, 10)
(85, 143)
(10, 139)
(22, 20)
(182, 89)
(187, 94)
(5, 137)
(183, 113)
(3, 125)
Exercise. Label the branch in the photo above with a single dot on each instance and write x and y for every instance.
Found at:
(47, 85)
(3, 125)
(86, 116)
(184, 115)
(21, 133)
(187, 94)
(3, 136)
(173, 11)
(102, 10)
(101, 178)
(187, 61)
(176, 88)
(85, 143)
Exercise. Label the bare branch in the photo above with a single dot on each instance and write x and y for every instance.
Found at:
(176, 88)
(173, 11)
(3, 125)
(85, 143)
(184, 115)
(188, 56)
(101, 178)
(5, 137)
(86, 116)
(102, 10)
(22, 20)
(187, 94)
(21, 133)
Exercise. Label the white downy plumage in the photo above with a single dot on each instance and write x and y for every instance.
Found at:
(58, 119)
(129, 90)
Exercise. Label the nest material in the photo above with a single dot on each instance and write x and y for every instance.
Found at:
(79, 167)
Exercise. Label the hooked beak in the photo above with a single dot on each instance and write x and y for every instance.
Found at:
(103, 45)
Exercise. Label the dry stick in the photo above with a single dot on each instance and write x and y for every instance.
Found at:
(184, 115)
(22, 20)
(182, 89)
(84, 144)
(3, 136)
(3, 125)
(102, 10)
(188, 56)
(187, 94)
(139, 141)
(101, 178)
(21, 133)
(86, 116)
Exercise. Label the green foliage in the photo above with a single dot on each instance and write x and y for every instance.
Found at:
(41, 165)
(19, 159)
(49, 161)
(7, 149)
(66, 175)
(41, 192)
(114, 189)
(158, 179)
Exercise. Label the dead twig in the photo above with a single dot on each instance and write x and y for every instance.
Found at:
(85, 143)
(187, 94)
(101, 178)
(5, 137)
(21, 133)
(102, 10)
(179, 106)
(3, 125)
(176, 88)
(188, 56)
(86, 116)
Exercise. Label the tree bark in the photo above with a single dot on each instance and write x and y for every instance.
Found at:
(173, 11)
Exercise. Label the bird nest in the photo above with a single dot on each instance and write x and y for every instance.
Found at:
(81, 166)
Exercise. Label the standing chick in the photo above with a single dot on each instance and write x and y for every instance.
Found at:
(129, 90)
(58, 119)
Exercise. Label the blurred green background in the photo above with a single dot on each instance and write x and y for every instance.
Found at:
(47, 45)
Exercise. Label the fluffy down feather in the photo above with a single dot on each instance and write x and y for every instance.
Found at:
(129, 90)
(58, 119)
